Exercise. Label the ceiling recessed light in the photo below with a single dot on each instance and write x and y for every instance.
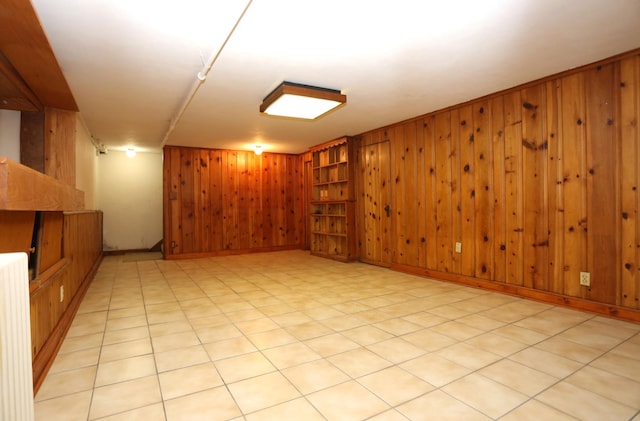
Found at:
(301, 101)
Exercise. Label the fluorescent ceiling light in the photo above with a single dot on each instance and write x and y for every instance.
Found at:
(301, 101)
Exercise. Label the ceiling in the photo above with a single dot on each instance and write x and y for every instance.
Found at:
(132, 65)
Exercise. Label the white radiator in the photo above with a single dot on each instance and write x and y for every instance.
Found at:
(16, 378)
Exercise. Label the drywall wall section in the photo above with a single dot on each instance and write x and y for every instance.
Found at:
(10, 134)
(130, 197)
(86, 165)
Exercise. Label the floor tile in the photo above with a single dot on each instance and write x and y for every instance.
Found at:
(367, 335)
(124, 350)
(331, 344)
(212, 404)
(243, 367)
(440, 406)
(546, 362)
(75, 360)
(126, 369)
(359, 362)
(297, 409)
(150, 413)
(618, 364)
(395, 385)
(290, 355)
(174, 341)
(584, 404)
(66, 383)
(612, 386)
(568, 349)
(271, 339)
(72, 407)
(468, 356)
(121, 397)
(185, 381)
(496, 344)
(180, 358)
(518, 377)
(396, 350)
(229, 348)
(262, 392)
(434, 369)
(495, 399)
(79, 343)
(314, 376)
(356, 402)
(534, 410)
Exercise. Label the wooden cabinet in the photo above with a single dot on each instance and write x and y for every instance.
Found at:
(332, 207)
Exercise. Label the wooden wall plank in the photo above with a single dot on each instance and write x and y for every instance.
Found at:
(499, 189)
(60, 145)
(483, 190)
(555, 209)
(431, 191)
(602, 201)
(514, 188)
(467, 191)
(630, 181)
(536, 236)
(456, 191)
(217, 203)
(444, 239)
(573, 153)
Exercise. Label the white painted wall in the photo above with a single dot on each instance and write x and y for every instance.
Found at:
(86, 165)
(10, 134)
(130, 197)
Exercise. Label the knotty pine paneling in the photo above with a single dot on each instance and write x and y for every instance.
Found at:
(51, 316)
(222, 201)
(538, 183)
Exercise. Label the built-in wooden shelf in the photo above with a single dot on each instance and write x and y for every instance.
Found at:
(22, 188)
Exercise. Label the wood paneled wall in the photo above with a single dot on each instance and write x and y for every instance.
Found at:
(221, 201)
(538, 183)
(51, 315)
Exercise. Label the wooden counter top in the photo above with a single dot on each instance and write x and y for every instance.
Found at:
(22, 188)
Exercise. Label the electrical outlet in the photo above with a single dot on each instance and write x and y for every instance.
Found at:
(585, 279)
(458, 247)
(61, 293)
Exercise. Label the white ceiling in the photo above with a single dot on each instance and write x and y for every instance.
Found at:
(131, 64)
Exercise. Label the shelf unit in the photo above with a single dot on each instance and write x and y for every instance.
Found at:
(332, 207)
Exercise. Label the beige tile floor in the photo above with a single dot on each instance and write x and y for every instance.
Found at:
(289, 336)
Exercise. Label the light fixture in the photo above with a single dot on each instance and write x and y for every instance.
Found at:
(258, 149)
(131, 152)
(301, 101)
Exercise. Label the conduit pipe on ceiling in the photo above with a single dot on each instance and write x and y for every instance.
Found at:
(201, 77)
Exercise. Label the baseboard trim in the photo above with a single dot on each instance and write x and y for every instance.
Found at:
(609, 310)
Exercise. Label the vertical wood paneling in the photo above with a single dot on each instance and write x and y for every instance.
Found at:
(431, 191)
(217, 202)
(554, 137)
(443, 181)
(231, 200)
(456, 192)
(574, 187)
(538, 183)
(630, 181)
(187, 201)
(483, 190)
(499, 207)
(536, 237)
(514, 187)
(467, 191)
(60, 145)
(602, 203)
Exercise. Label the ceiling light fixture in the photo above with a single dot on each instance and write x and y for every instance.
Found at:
(301, 101)
(131, 152)
(258, 149)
